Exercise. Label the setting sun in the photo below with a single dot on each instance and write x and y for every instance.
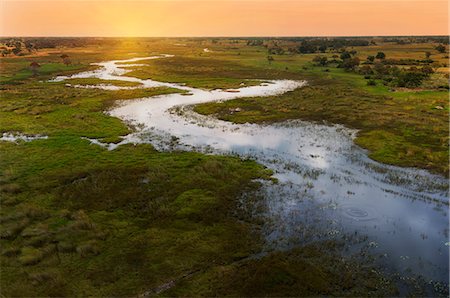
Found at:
(223, 18)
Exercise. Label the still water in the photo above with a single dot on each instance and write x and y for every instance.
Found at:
(327, 186)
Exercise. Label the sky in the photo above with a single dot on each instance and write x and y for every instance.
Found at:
(155, 18)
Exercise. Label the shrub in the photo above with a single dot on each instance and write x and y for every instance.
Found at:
(410, 79)
(366, 70)
(371, 83)
(350, 64)
(380, 55)
(321, 60)
(441, 48)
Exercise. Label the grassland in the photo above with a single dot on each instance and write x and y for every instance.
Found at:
(78, 220)
(401, 127)
(95, 81)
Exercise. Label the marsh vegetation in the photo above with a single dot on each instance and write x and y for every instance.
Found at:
(190, 205)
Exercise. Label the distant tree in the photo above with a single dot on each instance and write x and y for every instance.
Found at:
(5, 51)
(380, 55)
(350, 63)
(323, 48)
(320, 60)
(29, 46)
(366, 70)
(270, 59)
(66, 59)
(371, 83)
(427, 70)
(428, 55)
(276, 50)
(306, 49)
(441, 48)
(34, 66)
(410, 79)
(345, 55)
(370, 58)
(380, 69)
(17, 51)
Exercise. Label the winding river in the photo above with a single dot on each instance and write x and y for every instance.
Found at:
(327, 186)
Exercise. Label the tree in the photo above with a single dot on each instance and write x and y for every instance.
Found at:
(380, 69)
(323, 48)
(345, 55)
(380, 55)
(66, 59)
(441, 48)
(320, 60)
(350, 63)
(370, 59)
(270, 59)
(366, 70)
(306, 49)
(427, 70)
(16, 51)
(276, 50)
(34, 67)
(29, 46)
(410, 79)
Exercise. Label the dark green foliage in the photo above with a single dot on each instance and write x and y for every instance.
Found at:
(350, 63)
(345, 55)
(380, 55)
(320, 60)
(410, 79)
(441, 48)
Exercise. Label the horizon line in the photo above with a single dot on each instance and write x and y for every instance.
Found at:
(222, 36)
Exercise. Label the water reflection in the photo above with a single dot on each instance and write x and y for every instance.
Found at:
(327, 188)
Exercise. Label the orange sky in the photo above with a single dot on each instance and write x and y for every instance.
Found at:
(222, 18)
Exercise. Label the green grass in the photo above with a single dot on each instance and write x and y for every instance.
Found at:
(417, 129)
(280, 274)
(55, 110)
(103, 223)
(96, 81)
(44, 71)
(78, 220)
(201, 72)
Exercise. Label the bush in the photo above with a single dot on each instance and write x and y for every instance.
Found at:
(410, 79)
(441, 48)
(321, 60)
(371, 83)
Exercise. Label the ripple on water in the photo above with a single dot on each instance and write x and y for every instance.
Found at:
(359, 213)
